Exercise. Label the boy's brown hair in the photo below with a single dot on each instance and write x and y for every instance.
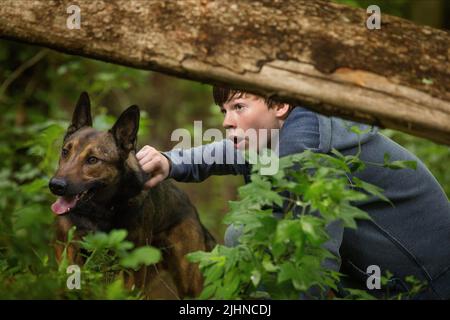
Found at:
(223, 94)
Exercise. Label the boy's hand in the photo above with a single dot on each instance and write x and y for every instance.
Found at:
(153, 163)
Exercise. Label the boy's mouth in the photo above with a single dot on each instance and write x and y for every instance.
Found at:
(237, 141)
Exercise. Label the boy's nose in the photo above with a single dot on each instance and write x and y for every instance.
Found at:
(228, 122)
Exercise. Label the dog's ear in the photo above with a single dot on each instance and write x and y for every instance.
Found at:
(81, 116)
(125, 129)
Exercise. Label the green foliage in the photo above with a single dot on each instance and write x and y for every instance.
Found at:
(284, 258)
(113, 246)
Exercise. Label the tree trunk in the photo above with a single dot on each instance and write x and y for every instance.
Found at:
(315, 53)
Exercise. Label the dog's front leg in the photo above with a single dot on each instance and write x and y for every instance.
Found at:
(63, 226)
(182, 239)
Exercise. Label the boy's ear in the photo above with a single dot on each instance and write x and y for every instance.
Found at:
(81, 116)
(283, 110)
(125, 129)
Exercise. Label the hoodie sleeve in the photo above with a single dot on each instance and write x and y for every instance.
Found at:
(198, 163)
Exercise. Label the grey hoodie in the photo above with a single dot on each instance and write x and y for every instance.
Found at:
(412, 237)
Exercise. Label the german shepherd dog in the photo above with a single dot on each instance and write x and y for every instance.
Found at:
(99, 185)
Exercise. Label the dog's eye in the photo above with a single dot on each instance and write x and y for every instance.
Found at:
(92, 160)
(64, 152)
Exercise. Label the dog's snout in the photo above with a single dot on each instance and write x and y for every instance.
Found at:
(58, 186)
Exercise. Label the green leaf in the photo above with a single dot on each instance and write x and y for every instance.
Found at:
(372, 189)
(356, 294)
(358, 131)
(313, 229)
(214, 273)
(260, 191)
(398, 164)
(208, 292)
(256, 277)
(348, 214)
(287, 272)
(230, 288)
(268, 265)
(116, 290)
(113, 240)
(402, 164)
(116, 236)
(141, 256)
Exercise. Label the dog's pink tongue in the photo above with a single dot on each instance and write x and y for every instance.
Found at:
(62, 205)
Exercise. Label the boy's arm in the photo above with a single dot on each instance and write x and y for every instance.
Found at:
(198, 163)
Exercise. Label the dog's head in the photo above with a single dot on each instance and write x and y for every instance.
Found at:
(95, 166)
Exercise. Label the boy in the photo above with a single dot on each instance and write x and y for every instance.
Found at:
(410, 238)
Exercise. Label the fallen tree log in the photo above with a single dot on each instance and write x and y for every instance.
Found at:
(315, 53)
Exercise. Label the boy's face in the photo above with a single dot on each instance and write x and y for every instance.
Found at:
(249, 112)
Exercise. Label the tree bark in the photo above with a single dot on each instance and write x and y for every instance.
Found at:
(315, 53)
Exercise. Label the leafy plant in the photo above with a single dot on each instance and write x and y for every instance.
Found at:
(283, 258)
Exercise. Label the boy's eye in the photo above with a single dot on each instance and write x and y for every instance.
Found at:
(92, 160)
(64, 152)
(238, 107)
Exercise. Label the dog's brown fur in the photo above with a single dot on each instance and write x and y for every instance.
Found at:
(162, 217)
